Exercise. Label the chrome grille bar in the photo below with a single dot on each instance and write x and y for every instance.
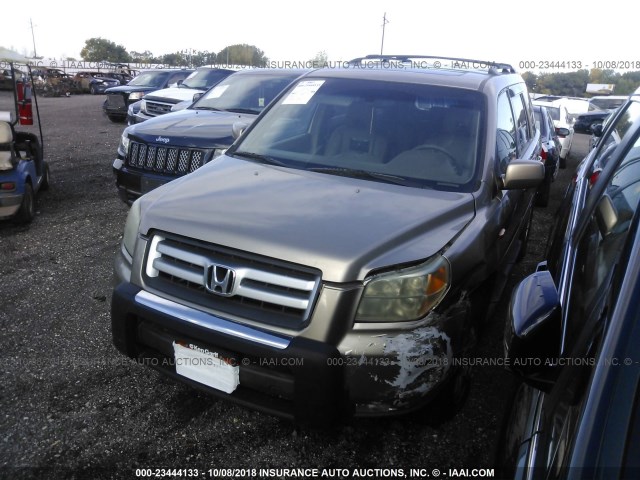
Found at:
(252, 282)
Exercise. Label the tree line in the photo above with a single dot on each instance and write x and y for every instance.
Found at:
(100, 50)
(574, 84)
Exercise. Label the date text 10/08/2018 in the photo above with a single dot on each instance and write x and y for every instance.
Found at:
(578, 64)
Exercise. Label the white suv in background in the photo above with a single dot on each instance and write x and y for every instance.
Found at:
(561, 119)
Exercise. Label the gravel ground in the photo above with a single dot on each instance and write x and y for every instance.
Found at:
(72, 407)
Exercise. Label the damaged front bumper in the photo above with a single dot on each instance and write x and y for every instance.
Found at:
(370, 372)
(397, 371)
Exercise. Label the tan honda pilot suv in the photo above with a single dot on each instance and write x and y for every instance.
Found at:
(339, 257)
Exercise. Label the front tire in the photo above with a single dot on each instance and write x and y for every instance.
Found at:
(116, 119)
(563, 162)
(45, 178)
(27, 211)
(449, 400)
(542, 196)
(524, 237)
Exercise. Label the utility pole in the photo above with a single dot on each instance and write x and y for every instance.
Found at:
(35, 54)
(384, 22)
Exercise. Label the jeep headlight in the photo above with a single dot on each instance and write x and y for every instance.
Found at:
(406, 294)
(143, 106)
(123, 146)
(131, 228)
(217, 152)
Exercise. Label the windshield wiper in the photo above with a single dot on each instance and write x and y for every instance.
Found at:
(260, 158)
(214, 109)
(243, 110)
(364, 174)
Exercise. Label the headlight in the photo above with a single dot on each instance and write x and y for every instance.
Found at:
(136, 95)
(143, 106)
(217, 152)
(407, 294)
(123, 146)
(131, 228)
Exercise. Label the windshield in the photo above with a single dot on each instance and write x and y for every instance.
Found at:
(150, 79)
(204, 79)
(245, 93)
(410, 134)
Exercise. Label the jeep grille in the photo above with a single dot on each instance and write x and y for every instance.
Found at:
(163, 159)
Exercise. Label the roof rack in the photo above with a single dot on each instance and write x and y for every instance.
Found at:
(493, 68)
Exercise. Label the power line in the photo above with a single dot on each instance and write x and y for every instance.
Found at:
(384, 23)
(35, 54)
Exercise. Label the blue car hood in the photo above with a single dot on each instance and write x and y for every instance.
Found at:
(190, 128)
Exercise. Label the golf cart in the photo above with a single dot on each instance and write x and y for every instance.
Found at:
(23, 170)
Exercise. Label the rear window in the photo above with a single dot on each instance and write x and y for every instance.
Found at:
(539, 121)
(608, 103)
(554, 112)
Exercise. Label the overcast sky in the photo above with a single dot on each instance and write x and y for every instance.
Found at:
(507, 31)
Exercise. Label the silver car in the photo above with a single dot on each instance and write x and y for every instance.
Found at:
(340, 256)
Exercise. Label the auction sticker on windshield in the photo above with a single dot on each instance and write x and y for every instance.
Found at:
(206, 367)
(303, 92)
(216, 92)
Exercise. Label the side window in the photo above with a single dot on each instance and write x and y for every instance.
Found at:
(615, 134)
(624, 189)
(602, 242)
(550, 127)
(523, 135)
(506, 134)
(529, 107)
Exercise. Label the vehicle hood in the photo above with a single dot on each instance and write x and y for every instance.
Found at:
(107, 79)
(197, 128)
(175, 93)
(345, 227)
(129, 89)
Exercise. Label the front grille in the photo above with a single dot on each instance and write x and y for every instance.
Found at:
(262, 290)
(115, 100)
(163, 159)
(155, 108)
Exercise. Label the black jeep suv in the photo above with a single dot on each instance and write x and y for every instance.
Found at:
(119, 98)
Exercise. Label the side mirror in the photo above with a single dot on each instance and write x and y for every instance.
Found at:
(197, 96)
(596, 129)
(238, 128)
(181, 105)
(563, 132)
(522, 174)
(532, 335)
